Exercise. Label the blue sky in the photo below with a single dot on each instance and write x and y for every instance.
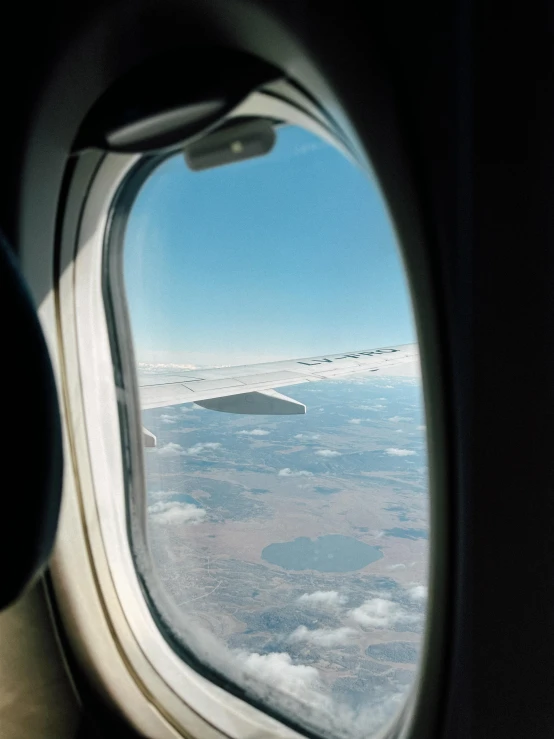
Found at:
(284, 256)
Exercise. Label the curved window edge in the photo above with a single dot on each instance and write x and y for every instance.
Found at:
(108, 181)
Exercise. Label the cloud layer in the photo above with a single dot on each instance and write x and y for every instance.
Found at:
(418, 592)
(199, 448)
(174, 512)
(176, 450)
(278, 670)
(394, 452)
(382, 613)
(326, 598)
(287, 472)
(169, 450)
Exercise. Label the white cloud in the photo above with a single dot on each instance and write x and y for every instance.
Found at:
(323, 637)
(418, 592)
(399, 431)
(176, 450)
(298, 687)
(355, 420)
(161, 367)
(327, 598)
(421, 428)
(397, 567)
(174, 512)
(327, 453)
(393, 452)
(306, 436)
(278, 670)
(254, 432)
(287, 472)
(168, 418)
(381, 613)
(376, 407)
(397, 419)
(199, 448)
(169, 450)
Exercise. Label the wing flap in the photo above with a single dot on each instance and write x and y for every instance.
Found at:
(264, 403)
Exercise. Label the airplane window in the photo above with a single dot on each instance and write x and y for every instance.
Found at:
(285, 459)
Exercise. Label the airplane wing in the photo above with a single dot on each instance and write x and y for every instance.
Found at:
(250, 388)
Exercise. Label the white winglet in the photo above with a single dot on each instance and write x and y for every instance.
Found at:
(148, 438)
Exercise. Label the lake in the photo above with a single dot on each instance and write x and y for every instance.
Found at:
(331, 553)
